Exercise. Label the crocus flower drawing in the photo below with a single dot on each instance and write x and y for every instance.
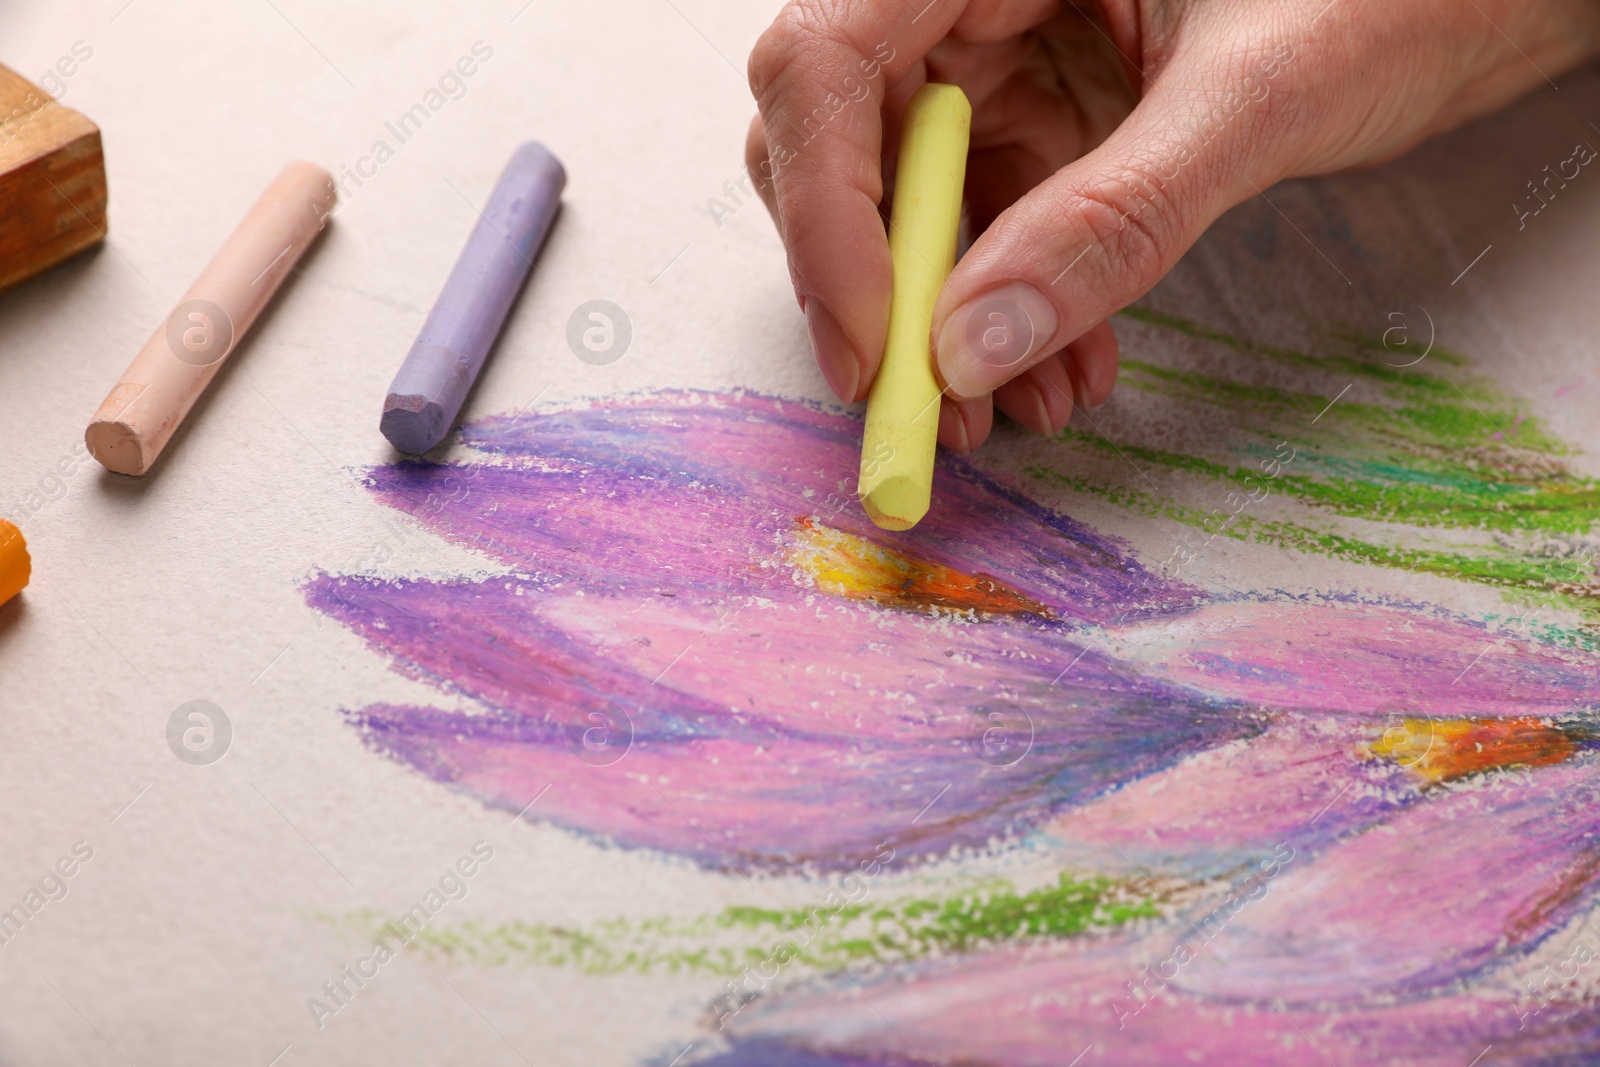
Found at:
(1382, 814)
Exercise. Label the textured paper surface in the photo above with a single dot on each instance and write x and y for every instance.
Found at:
(220, 897)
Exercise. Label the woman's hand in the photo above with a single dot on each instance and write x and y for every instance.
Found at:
(1106, 137)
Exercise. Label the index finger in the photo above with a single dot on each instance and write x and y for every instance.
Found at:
(820, 75)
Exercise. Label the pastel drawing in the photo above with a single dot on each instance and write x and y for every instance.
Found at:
(1421, 466)
(1346, 828)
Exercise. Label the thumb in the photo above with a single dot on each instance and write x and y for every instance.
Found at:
(1101, 232)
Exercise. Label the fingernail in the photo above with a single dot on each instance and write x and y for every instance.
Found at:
(834, 355)
(989, 338)
(1046, 424)
(954, 429)
(1080, 401)
(1098, 378)
(1059, 404)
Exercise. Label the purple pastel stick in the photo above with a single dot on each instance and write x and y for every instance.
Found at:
(428, 391)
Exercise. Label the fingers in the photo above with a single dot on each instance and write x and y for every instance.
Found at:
(826, 76)
(1092, 365)
(835, 352)
(965, 424)
(1041, 397)
(820, 75)
(1103, 230)
(1044, 396)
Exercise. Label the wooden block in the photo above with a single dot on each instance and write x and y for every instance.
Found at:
(52, 181)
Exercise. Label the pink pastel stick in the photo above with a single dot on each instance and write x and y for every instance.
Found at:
(139, 415)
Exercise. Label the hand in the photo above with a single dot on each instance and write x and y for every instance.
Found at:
(1106, 136)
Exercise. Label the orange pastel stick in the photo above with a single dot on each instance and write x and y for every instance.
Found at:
(15, 566)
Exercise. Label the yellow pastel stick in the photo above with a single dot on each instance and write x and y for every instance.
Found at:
(15, 566)
(903, 408)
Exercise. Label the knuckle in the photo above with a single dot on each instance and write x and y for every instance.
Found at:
(1124, 217)
(784, 44)
(772, 54)
(808, 36)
